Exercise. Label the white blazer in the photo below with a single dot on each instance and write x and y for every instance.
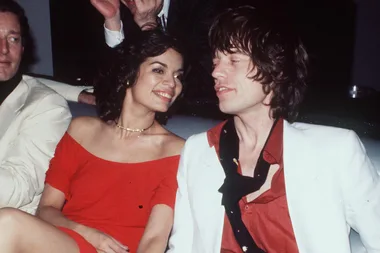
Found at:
(33, 120)
(331, 186)
(69, 92)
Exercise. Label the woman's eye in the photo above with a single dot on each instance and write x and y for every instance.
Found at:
(179, 77)
(158, 71)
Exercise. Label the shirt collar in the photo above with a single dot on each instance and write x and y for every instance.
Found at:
(273, 149)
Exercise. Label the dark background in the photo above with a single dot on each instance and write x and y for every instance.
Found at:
(327, 28)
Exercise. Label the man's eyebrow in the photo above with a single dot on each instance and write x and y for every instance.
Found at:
(158, 62)
(13, 32)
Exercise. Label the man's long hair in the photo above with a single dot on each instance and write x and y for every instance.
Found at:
(279, 57)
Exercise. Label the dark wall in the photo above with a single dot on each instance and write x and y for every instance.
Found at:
(327, 28)
(77, 38)
(367, 44)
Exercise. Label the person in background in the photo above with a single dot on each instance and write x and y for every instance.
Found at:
(33, 117)
(111, 185)
(259, 182)
(146, 15)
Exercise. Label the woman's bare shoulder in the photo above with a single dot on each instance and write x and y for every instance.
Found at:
(173, 143)
(82, 127)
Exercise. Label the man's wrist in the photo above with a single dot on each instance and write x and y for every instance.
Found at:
(114, 23)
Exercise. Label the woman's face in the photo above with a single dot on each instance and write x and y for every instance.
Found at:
(159, 81)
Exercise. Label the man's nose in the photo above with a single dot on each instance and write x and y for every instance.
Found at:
(218, 71)
(4, 46)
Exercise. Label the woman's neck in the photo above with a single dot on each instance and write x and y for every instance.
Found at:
(135, 122)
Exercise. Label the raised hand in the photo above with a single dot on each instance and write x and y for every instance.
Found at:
(108, 8)
(144, 11)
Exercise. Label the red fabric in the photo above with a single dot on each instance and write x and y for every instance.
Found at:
(267, 217)
(83, 245)
(115, 198)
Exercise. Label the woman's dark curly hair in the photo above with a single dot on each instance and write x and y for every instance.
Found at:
(279, 57)
(126, 59)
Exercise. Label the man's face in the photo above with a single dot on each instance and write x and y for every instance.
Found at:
(237, 93)
(11, 48)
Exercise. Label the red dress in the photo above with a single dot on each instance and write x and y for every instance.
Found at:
(115, 198)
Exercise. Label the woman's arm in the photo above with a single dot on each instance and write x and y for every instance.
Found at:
(157, 231)
(50, 207)
(49, 210)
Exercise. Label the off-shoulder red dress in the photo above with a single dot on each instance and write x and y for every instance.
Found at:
(115, 198)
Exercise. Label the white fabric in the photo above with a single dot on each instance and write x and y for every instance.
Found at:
(113, 38)
(331, 186)
(165, 9)
(33, 120)
(69, 92)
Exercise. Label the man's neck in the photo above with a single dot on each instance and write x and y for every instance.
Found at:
(253, 129)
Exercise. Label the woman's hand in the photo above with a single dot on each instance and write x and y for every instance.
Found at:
(102, 242)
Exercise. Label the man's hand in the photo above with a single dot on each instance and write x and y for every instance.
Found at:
(144, 12)
(110, 9)
(86, 98)
(101, 241)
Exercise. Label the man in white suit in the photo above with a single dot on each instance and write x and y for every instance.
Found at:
(258, 182)
(33, 117)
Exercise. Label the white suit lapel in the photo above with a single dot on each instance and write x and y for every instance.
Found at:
(207, 204)
(308, 190)
(297, 178)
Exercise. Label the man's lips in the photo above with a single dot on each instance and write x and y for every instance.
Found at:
(220, 90)
(5, 63)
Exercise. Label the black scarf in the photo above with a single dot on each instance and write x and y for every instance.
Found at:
(236, 186)
(6, 87)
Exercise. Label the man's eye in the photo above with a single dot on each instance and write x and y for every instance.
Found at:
(158, 71)
(14, 39)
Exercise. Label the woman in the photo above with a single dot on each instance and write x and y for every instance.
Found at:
(112, 183)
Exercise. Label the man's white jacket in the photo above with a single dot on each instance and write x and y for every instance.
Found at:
(33, 118)
(331, 187)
